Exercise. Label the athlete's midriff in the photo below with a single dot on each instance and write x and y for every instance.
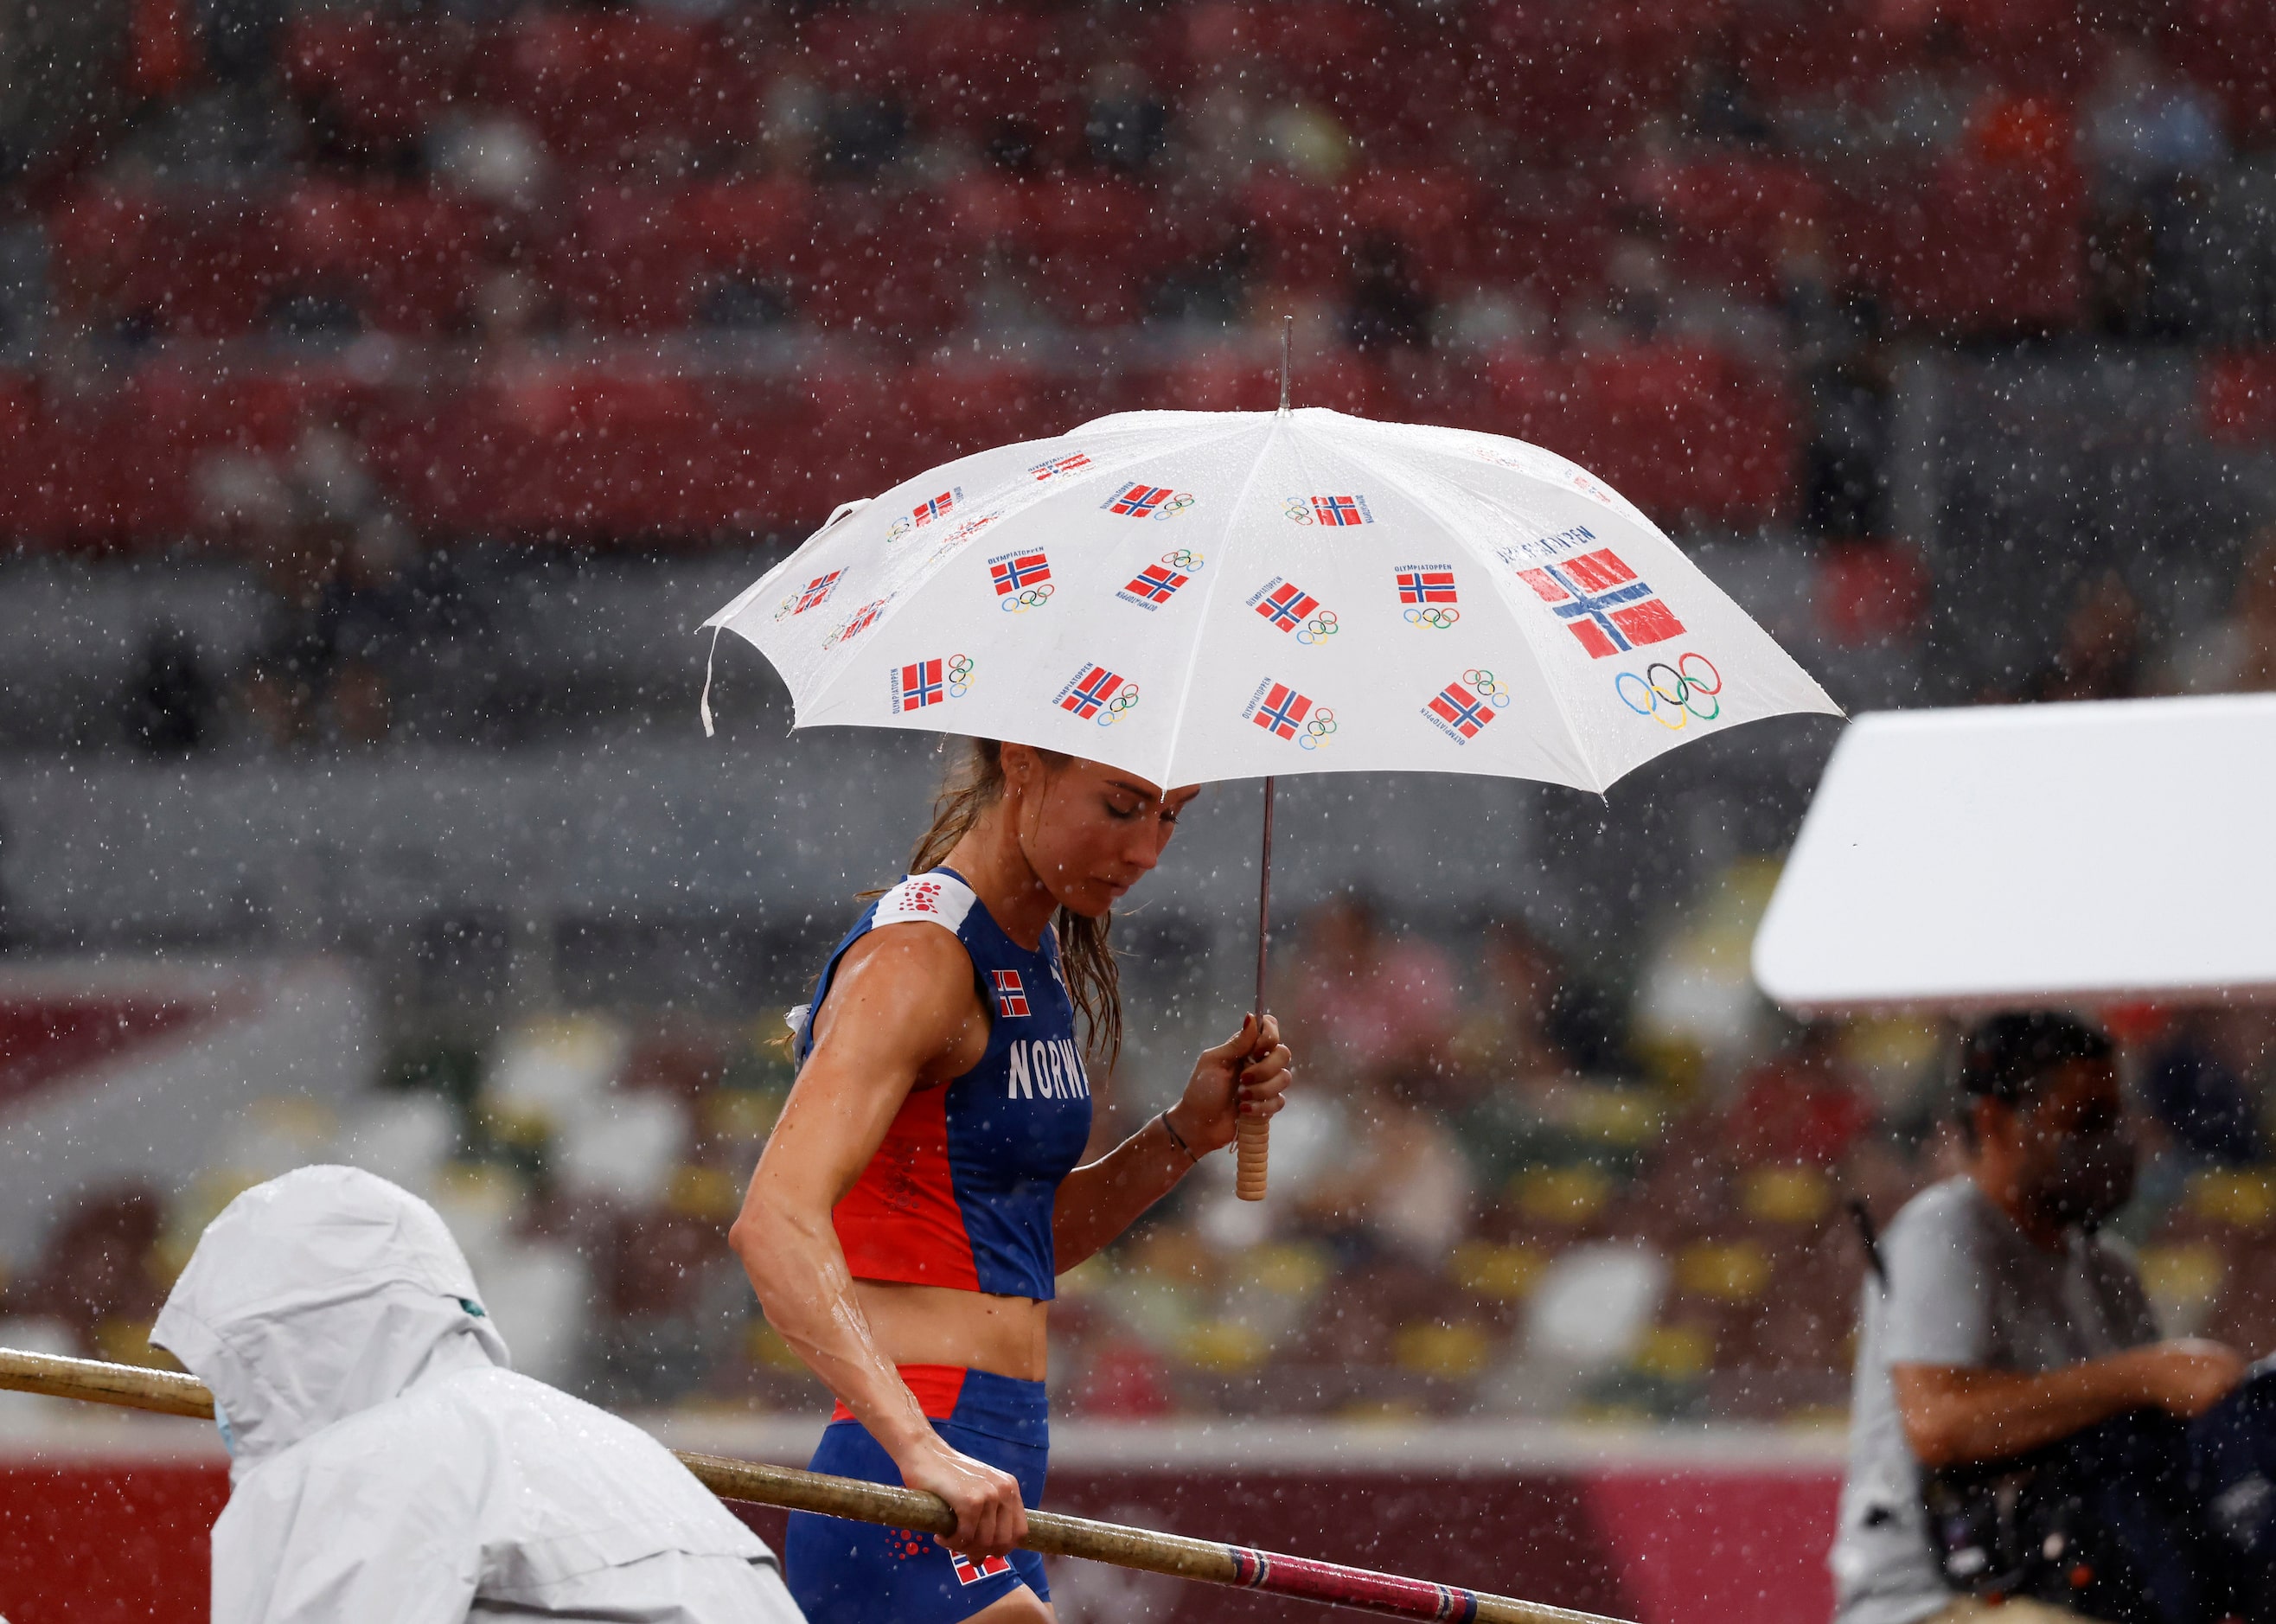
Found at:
(938, 1325)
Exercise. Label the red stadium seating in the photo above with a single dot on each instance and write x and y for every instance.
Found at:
(1789, 49)
(1677, 429)
(1092, 246)
(1725, 222)
(599, 87)
(191, 265)
(2236, 397)
(385, 83)
(1433, 214)
(407, 257)
(958, 407)
(1549, 244)
(1988, 248)
(1568, 80)
(882, 266)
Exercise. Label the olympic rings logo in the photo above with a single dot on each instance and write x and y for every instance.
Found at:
(1318, 629)
(1121, 705)
(1483, 680)
(1029, 597)
(1185, 558)
(1669, 695)
(899, 527)
(1319, 728)
(788, 607)
(959, 675)
(1298, 508)
(1438, 620)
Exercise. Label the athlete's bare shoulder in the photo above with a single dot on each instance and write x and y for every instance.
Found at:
(902, 994)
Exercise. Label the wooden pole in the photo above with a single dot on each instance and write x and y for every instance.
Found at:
(1048, 1532)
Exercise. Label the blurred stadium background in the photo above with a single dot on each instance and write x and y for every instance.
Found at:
(386, 393)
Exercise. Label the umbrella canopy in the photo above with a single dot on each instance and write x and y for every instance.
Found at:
(1200, 596)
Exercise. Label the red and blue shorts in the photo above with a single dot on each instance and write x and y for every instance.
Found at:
(857, 1573)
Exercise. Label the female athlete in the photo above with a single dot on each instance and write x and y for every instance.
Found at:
(920, 1192)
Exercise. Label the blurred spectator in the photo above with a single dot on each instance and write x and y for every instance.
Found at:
(2201, 1084)
(1507, 1034)
(2100, 656)
(1401, 1186)
(364, 621)
(1306, 141)
(1126, 125)
(1637, 293)
(1804, 1105)
(94, 1274)
(1719, 107)
(1366, 1002)
(169, 702)
(2139, 128)
(491, 156)
(2238, 655)
(1387, 308)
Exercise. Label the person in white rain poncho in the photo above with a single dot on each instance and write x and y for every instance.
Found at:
(388, 1464)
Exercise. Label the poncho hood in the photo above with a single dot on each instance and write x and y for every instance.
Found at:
(317, 1295)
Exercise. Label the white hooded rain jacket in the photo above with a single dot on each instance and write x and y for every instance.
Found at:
(389, 1468)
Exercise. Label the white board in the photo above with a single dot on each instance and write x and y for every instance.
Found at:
(1966, 860)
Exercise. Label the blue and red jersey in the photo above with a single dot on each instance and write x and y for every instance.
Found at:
(961, 1191)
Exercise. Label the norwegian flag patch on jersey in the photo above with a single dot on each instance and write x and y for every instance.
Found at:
(1599, 598)
(969, 1572)
(1011, 996)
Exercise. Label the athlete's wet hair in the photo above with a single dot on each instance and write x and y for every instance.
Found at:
(2005, 1058)
(973, 783)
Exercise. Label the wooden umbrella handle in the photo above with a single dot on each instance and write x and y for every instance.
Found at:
(1048, 1532)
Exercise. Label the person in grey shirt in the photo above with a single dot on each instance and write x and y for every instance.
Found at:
(1997, 1320)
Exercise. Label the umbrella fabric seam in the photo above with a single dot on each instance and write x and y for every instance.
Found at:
(1209, 601)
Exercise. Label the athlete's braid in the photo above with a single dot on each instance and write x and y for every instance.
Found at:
(973, 783)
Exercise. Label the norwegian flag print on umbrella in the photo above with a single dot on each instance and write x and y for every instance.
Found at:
(1197, 596)
(1201, 596)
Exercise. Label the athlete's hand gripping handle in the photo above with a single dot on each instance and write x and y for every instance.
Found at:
(1236, 1090)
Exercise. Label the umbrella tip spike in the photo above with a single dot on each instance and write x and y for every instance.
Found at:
(1287, 341)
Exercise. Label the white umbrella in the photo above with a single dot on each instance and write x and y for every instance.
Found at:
(1200, 596)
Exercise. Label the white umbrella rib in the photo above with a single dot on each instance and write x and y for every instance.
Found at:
(1209, 599)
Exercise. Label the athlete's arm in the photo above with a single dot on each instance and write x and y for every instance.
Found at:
(902, 1011)
(1954, 1415)
(1246, 1075)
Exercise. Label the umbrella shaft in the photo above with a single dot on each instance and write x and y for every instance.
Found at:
(1264, 902)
